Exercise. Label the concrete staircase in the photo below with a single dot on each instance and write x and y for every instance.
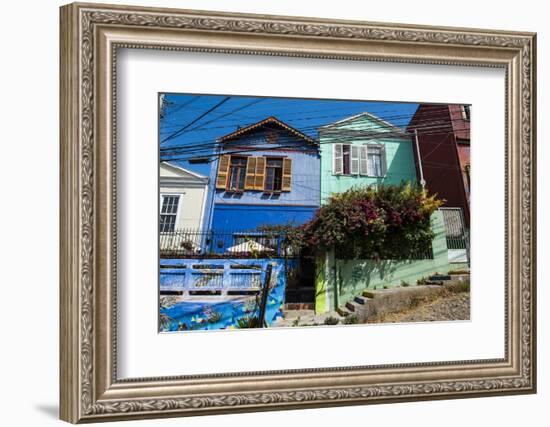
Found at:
(375, 302)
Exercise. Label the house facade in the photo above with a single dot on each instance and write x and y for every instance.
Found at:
(364, 150)
(444, 145)
(182, 204)
(264, 174)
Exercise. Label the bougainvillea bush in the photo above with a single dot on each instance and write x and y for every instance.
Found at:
(383, 222)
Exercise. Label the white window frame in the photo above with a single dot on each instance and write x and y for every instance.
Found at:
(358, 159)
(354, 150)
(178, 209)
(336, 159)
(363, 160)
(383, 159)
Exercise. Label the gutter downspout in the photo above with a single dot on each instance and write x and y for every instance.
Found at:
(422, 181)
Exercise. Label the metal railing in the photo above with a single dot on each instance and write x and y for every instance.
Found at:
(193, 243)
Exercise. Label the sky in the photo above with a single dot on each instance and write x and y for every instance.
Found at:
(191, 123)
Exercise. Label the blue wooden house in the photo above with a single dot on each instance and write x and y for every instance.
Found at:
(267, 173)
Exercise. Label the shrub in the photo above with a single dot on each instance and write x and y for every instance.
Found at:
(461, 286)
(248, 322)
(387, 222)
(331, 321)
(352, 319)
(422, 281)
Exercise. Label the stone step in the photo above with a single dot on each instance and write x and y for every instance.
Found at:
(343, 311)
(369, 294)
(351, 306)
(438, 277)
(361, 299)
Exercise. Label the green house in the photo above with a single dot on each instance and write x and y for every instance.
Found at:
(364, 150)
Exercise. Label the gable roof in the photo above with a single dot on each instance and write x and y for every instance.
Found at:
(372, 117)
(269, 121)
(181, 173)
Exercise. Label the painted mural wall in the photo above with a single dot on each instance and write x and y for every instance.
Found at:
(338, 281)
(195, 309)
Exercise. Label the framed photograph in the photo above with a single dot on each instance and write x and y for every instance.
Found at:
(268, 212)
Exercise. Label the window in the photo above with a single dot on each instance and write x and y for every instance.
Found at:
(237, 173)
(374, 160)
(346, 158)
(168, 213)
(354, 159)
(465, 110)
(273, 174)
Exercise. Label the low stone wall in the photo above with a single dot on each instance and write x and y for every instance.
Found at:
(386, 301)
(338, 281)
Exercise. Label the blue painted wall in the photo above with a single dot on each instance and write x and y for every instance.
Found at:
(195, 312)
(250, 208)
(229, 217)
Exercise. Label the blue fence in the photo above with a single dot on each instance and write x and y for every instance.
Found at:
(212, 276)
(219, 293)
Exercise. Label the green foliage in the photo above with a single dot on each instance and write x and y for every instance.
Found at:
(331, 321)
(386, 222)
(422, 281)
(352, 319)
(291, 237)
(460, 286)
(248, 322)
(383, 222)
(405, 284)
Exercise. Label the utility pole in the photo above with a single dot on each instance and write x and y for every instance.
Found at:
(422, 181)
(265, 292)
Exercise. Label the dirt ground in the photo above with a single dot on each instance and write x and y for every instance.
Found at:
(454, 306)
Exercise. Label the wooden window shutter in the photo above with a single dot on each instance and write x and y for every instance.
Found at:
(223, 172)
(383, 159)
(287, 175)
(260, 173)
(354, 159)
(249, 183)
(363, 160)
(337, 159)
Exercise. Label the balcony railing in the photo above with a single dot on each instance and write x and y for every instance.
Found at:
(193, 243)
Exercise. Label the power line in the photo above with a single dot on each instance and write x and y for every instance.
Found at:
(194, 152)
(431, 125)
(179, 132)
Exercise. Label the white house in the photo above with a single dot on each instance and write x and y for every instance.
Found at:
(182, 205)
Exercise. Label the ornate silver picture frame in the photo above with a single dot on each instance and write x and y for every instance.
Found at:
(91, 34)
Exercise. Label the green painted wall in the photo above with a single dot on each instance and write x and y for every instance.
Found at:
(399, 154)
(338, 281)
(459, 266)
